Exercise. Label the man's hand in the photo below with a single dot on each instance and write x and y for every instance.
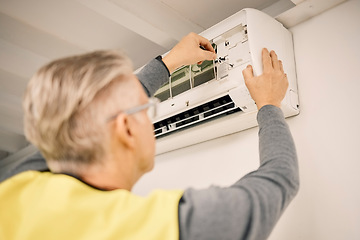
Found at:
(270, 87)
(188, 51)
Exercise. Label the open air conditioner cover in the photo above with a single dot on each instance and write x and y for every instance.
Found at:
(210, 100)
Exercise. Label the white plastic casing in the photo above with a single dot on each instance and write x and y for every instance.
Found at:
(246, 33)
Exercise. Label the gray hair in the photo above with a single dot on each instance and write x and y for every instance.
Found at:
(66, 103)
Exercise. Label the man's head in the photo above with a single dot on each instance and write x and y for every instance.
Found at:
(67, 104)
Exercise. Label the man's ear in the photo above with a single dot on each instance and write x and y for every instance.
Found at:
(124, 131)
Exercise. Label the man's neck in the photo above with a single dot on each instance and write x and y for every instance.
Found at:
(111, 174)
(106, 182)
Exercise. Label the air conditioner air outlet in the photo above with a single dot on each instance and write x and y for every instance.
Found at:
(200, 114)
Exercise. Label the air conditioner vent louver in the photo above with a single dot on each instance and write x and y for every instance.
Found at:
(200, 114)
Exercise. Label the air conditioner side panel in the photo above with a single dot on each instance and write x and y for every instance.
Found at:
(264, 31)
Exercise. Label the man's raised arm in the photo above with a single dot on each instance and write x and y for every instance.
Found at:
(250, 208)
(157, 72)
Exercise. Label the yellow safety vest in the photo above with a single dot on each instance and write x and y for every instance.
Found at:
(36, 206)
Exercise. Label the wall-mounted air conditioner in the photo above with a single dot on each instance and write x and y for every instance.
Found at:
(210, 100)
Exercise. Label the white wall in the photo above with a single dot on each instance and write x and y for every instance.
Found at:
(326, 133)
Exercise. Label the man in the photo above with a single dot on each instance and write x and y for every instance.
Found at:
(88, 116)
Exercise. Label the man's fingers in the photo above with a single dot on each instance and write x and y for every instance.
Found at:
(205, 43)
(248, 73)
(274, 60)
(281, 66)
(266, 59)
(286, 80)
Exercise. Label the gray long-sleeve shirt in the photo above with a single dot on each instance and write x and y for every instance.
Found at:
(249, 208)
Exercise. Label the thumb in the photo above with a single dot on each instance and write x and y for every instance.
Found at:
(248, 73)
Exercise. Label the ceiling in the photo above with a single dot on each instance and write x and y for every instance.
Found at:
(34, 32)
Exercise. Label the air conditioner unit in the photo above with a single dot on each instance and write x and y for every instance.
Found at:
(210, 100)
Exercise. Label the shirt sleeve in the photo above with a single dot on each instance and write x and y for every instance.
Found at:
(35, 162)
(153, 75)
(250, 208)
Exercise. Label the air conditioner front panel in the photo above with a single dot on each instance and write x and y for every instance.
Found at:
(238, 41)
